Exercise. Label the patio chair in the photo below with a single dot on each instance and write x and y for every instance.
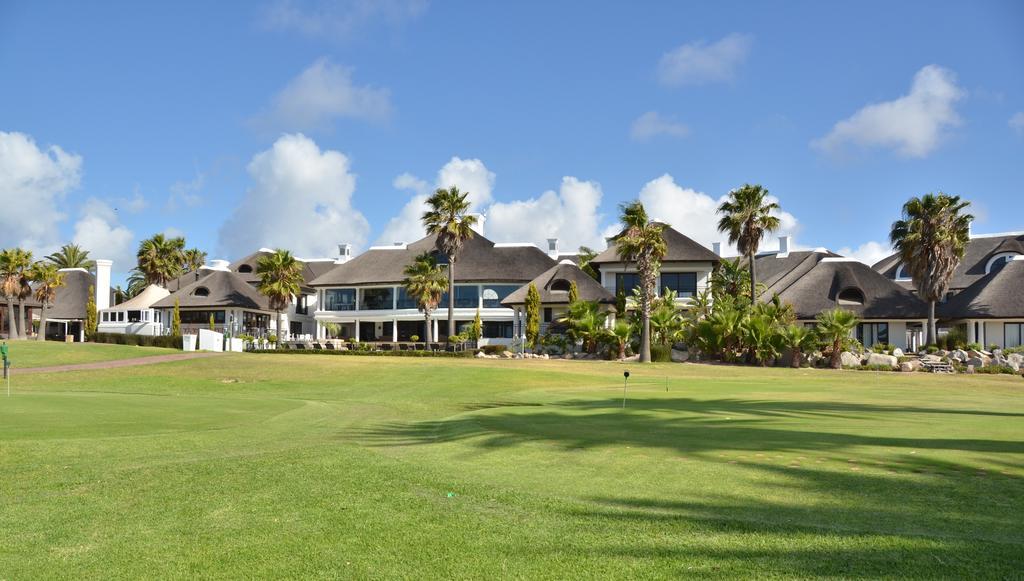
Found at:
(318, 346)
(329, 345)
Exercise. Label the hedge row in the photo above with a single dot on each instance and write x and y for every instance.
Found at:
(169, 341)
(457, 354)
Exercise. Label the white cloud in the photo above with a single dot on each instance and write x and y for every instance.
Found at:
(301, 199)
(698, 63)
(99, 231)
(913, 125)
(652, 124)
(186, 194)
(136, 203)
(1017, 122)
(33, 182)
(695, 214)
(868, 253)
(406, 226)
(339, 20)
(570, 214)
(469, 175)
(321, 94)
(172, 232)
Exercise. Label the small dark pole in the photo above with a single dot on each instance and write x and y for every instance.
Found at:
(625, 378)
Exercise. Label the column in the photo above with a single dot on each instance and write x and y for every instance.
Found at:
(357, 330)
(394, 330)
(433, 323)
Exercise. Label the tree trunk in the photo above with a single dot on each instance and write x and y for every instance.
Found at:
(837, 355)
(931, 324)
(41, 335)
(426, 328)
(280, 331)
(796, 358)
(753, 278)
(451, 298)
(622, 349)
(12, 327)
(645, 339)
(22, 331)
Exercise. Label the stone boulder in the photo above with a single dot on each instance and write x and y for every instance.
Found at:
(680, 356)
(958, 355)
(849, 359)
(883, 359)
(910, 366)
(897, 352)
(975, 362)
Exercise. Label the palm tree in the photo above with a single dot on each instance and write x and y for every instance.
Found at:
(447, 219)
(48, 279)
(834, 328)
(797, 338)
(747, 217)
(730, 278)
(619, 335)
(587, 254)
(160, 258)
(585, 321)
(192, 260)
(930, 239)
(10, 285)
(642, 243)
(136, 282)
(426, 282)
(280, 281)
(72, 256)
(24, 267)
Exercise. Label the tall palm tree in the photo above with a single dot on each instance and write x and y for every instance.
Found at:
(586, 254)
(192, 260)
(448, 220)
(746, 218)
(160, 258)
(426, 282)
(136, 282)
(72, 256)
(10, 285)
(731, 278)
(280, 281)
(834, 328)
(48, 279)
(642, 243)
(23, 262)
(931, 238)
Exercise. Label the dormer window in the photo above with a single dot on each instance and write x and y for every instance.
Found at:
(201, 292)
(902, 273)
(560, 285)
(245, 268)
(850, 296)
(997, 262)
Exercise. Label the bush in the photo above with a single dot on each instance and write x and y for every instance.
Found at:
(870, 368)
(996, 369)
(974, 346)
(881, 348)
(1010, 350)
(367, 352)
(167, 341)
(931, 348)
(661, 353)
(494, 349)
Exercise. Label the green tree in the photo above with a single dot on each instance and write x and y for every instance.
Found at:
(931, 238)
(10, 286)
(448, 220)
(619, 335)
(213, 323)
(798, 339)
(176, 319)
(72, 256)
(587, 254)
(47, 278)
(574, 292)
(91, 318)
(160, 259)
(586, 323)
(192, 260)
(24, 264)
(730, 278)
(280, 281)
(747, 215)
(426, 282)
(136, 282)
(643, 244)
(762, 338)
(532, 316)
(834, 329)
(476, 330)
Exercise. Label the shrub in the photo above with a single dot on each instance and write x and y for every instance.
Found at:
(996, 369)
(956, 338)
(661, 353)
(974, 346)
(871, 368)
(367, 352)
(167, 341)
(1010, 350)
(992, 346)
(881, 348)
(414, 338)
(931, 348)
(494, 349)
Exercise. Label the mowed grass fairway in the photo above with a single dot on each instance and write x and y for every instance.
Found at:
(372, 467)
(30, 354)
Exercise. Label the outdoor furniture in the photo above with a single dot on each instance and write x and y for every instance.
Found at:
(329, 345)
(318, 346)
(387, 347)
(299, 346)
(403, 346)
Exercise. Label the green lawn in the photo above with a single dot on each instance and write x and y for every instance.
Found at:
(371, 467)
(26, 354)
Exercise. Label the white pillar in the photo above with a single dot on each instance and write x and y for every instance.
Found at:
(357, 330)
(103, 283)
(394, 330)
(433, 323)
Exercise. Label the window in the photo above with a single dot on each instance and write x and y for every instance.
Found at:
(548, 314)
(902, 273)
(466, 296)
(255, 322)
(340, 299)
(561, 285)
(134, 316)
(850, 296)
(1013, 335)
(302, 305)
(201, 292)
(495, 293)
(683, 283)
(106, 317)
(497, 329)
(870, 333)
(245, 268)
(405, 301)
(120, 316)
(377, 299)
(625, 282)
(997, 262)
(201, 317)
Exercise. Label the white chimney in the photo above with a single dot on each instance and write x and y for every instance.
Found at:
(479, 226)
(783, 246)
(553, 248)
(344, 253)
(103, 283)
(218, 264)
(716, 247)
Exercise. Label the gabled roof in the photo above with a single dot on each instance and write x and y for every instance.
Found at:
(997, 295)
(815, 283)
(560, 275)
(979, 251)
(223, 288)
(480, 261)
(681, 248)
(772, 267)
(71, 299)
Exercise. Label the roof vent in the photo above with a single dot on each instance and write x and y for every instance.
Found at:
(783, 247)
(553, 248)
(344, 253)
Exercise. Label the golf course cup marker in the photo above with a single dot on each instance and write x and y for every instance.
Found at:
(7, 365)
(625, 378)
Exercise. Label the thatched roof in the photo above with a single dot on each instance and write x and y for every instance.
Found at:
(681, 248)
(553, 286)
(72, 298)
(997, 295)
(971, 269)
(218, 289)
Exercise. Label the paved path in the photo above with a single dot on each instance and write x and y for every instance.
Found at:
(114, 363)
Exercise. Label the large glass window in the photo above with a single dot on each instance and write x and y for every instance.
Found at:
(466, 297)
(495, 293)
(201, 317)
(340, 299)
(625, 282)
(870, 333)
(134, 316)
(377, 299)
(497, 329)
(1013, 334)
(256, 322)
(404, 300)
(683, 283)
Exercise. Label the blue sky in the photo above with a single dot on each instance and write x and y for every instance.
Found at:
(306, 124)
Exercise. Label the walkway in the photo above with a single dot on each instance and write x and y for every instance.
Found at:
(115, 363)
